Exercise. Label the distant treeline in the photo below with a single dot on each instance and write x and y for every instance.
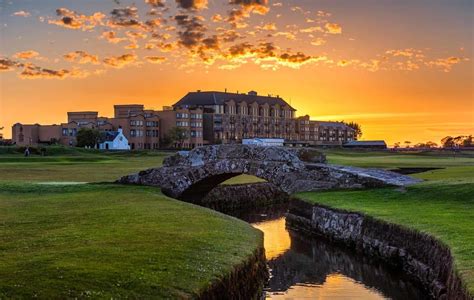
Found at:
(461, 141)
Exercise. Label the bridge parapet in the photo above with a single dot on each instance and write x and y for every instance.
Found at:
(202, 155)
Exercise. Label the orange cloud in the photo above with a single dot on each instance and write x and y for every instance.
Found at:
(155, 59)
(82, 57)
(120, 61)
(73, 20)
(26, 54)
(333, 28)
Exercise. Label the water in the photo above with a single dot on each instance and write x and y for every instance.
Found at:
(302, 267)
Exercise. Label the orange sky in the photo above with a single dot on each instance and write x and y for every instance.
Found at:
(403, 76)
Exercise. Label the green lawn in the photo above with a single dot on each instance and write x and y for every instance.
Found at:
(76, 166)
(105, 240)
(442, 206)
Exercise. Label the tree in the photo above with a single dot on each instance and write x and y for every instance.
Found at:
(357, 128)
(468, 142)
(431, 144)
(87, 137)
(178, 135)
(407, 144)
(447, 142)
(396, 145)
(1, 133)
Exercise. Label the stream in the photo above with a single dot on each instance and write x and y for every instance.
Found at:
(304, 267)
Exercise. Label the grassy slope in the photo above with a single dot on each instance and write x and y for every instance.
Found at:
(442, 206)
(107, 240)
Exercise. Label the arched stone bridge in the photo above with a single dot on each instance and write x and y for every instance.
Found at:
(192, 175)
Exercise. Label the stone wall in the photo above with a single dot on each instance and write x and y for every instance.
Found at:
(231, 198)
(419, 255)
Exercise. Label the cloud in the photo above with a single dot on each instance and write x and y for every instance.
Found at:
(286, 34)
(192, 4)
(333, 28)
(32, 71)
(268, 27)
(82, 57)
(73, 20)
(156, 3)
(155, 59)
(125, 17)
(7, 64)
(318, 42)
(217, 18)
(35, 72)
(120, 61)
(111, 37)
(269, 56)
(26, 54)
(192, 30)
(312, 29)
(446, 63)
(21, 13)
(246, 8)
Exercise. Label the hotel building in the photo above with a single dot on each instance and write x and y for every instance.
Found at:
(206, 117)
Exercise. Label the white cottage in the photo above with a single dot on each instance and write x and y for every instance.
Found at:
(114, 140)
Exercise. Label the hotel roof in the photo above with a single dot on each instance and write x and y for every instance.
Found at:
(219, 98)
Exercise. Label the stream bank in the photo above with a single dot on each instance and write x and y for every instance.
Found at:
(425, 259)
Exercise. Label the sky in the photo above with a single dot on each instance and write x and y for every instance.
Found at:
(403, 69)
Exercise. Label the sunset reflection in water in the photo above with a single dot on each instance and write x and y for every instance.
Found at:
(277, 242)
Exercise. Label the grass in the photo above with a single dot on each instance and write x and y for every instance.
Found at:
(76, 166)
(442, 206)
(112, 241)
(105, 240)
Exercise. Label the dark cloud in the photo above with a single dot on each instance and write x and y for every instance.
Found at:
(192, 4)
(192, 30)
(125, 17)
(7, 64)
(35, 72)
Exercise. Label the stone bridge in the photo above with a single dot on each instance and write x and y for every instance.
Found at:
(192, 175)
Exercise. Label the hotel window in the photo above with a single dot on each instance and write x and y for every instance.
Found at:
(196, 116)
(182, 124)
(182, 115)
(196, 133)
(133, 132)
(65, 132)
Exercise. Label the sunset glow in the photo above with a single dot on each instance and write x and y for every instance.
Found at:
(402, 69)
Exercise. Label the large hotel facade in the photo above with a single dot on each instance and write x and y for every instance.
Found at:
(207, 117)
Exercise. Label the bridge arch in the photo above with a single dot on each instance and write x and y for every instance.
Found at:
(196, 183)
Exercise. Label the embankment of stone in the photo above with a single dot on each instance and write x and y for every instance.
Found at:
(231, 198)
(424, 258)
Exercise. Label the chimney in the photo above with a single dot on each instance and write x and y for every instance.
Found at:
(120, 130)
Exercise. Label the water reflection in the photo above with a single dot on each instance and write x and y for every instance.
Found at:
(308, 268)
